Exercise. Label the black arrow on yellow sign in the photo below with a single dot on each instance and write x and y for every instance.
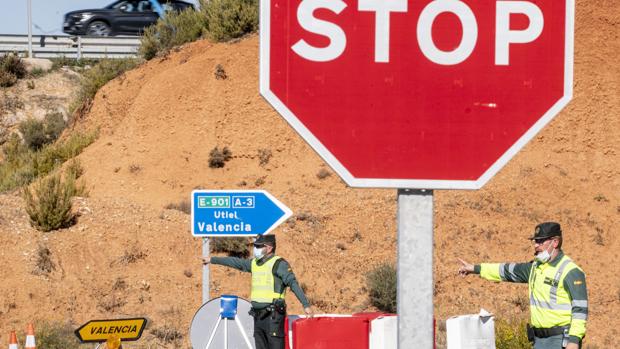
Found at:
(101, 330)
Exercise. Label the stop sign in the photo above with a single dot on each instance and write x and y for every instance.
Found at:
(417, 94)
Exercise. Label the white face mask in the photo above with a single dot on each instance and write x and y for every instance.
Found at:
(544, 256)
(258, 252)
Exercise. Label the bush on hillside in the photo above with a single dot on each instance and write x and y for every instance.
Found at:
(99, 75)
(55, 335)
(54, 155)
(12, 68)
(16, 169)
(33, 132)
(175, 29)
(184, 206)
(7, 79)
(511, 334)
(38, 133)
(381, 284)
(229, 19)
(218, 157)
(219, 20)
(22, 165)
(49, 203)
(233, 246)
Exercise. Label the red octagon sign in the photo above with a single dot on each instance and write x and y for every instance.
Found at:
(417, 93)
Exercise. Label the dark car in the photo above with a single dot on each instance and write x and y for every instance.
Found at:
(123, 17)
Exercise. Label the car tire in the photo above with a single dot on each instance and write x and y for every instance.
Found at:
(98, 28)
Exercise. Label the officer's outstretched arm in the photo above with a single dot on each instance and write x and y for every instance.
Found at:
(285, 273)
(511, 272)
(233, 262)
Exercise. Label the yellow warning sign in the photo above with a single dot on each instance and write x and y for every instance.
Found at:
(102, 330)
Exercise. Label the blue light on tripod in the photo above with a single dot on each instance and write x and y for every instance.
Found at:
(228, 306)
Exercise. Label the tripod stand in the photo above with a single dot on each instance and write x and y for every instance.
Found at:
(228, 311)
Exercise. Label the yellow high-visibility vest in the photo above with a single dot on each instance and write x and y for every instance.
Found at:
(263, 282)
(550, 303)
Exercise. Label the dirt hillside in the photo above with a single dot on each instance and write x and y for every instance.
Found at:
(128, 255)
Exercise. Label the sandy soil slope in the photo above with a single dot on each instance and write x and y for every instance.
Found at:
(129, 256)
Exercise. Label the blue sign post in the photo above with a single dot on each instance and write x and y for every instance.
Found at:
(235, 213)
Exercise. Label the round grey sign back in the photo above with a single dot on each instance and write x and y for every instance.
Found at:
(206, 318)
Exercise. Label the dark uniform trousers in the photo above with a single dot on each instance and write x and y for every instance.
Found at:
(269, 329)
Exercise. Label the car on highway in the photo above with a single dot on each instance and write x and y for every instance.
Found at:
(122, 17)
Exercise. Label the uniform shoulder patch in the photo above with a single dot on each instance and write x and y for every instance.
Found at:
(577, 282)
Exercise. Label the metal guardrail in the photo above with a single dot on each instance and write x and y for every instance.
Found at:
(49, 46)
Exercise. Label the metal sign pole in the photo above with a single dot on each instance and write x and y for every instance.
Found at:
(205, 271)
(415, 269)
(30, 28)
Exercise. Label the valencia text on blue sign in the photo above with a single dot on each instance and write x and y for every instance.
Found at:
(235, 212)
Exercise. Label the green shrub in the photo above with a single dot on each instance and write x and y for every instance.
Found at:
(38, 133)
(16, 169)
(99, 75)
(233, 246)
(74, 169)
(229, 19)
(49, 203)
(175, 29)
(37, 72)
(12, 68)
(381, 284)
(511, 334)
(54, 125)
(56, 336)
(52, 156)
(220, 20)
(22, 165)
(33, 131)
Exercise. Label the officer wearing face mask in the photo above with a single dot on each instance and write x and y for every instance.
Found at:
(271, 275)
(557, 290)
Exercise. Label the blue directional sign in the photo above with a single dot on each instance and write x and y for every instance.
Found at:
(235, 212)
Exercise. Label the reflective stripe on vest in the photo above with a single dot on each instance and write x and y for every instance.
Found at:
(263, 282)
(550, 303)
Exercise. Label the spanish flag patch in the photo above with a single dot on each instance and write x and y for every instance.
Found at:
(578, 282)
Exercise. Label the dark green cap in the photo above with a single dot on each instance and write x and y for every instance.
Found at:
(266, 240)
(547, 230)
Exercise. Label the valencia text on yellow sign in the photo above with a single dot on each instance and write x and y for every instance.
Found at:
(101, 330)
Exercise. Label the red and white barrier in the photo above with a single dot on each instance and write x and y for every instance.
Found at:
(328, 331)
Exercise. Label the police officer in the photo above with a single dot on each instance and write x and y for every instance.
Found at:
(557, 289)
(271, 275)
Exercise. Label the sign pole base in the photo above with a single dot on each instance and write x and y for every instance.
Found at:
(415, 269)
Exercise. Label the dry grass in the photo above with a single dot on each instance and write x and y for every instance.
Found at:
(130, 256)
(264, 155)
(220, 73)
(111, 303)
(44, 264)
(218, 157)
(167, 333)
(184, 206)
